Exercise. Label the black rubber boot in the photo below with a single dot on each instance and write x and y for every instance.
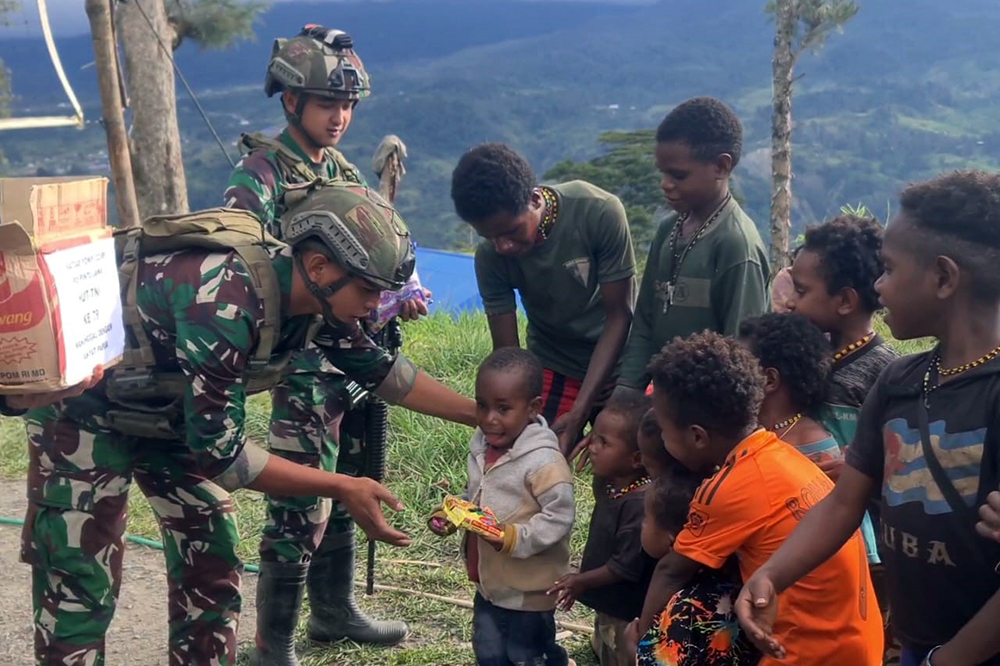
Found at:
(279, 598)
(335, 614)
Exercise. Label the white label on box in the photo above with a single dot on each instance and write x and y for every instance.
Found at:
(90, 308)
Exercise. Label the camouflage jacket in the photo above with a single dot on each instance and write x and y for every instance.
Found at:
(202, 316)
(260, 179)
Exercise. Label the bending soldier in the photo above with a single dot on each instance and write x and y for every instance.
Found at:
(320, 80)
(205, 318)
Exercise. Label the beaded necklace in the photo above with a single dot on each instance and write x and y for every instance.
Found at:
(615, 493)
(934, 367)
(853, 347)
(551, 212)
(679, 256)
(787, 425)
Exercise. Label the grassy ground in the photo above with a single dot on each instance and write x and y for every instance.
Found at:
(426, 459)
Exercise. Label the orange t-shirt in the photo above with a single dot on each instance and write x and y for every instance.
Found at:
(749, 507)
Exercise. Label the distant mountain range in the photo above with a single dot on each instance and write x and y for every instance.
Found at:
(909, 89)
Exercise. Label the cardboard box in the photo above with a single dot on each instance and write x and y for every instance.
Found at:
(60, 304)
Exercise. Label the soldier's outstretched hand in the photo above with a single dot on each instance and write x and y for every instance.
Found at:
(364, 501)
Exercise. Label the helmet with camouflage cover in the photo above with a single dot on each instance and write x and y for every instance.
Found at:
(361, 230)
(319, 61)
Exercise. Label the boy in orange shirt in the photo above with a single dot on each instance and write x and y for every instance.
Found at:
(707, 393)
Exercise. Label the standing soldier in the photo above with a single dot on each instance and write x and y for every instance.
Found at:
(315, 419)
(173, 418)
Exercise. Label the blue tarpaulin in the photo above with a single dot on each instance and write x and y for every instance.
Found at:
(451, 276)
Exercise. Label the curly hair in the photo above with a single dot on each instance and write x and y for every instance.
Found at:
(712, 381)
(797, 349)
(489, 179)
(631, 406)
(515, 359)
(707, 126)
(850, 251)
(670, 498)
(650, 429)
(960, 215)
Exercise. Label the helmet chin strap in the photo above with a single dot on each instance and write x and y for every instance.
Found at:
(296, 119)
(322, 294)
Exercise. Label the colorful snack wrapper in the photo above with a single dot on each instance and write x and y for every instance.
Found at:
(470, 517)
(391, 302)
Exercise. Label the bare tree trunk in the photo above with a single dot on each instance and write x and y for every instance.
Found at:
(781, 135)
(155, 141)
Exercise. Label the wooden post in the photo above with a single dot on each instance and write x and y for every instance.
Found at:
(113, 114)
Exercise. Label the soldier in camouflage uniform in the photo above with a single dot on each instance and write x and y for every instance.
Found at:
(203, 316)
(320, 79)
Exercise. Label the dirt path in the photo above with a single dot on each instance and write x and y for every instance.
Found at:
(138, 633)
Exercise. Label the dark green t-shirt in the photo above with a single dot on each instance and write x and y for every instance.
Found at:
(559, 280)
(722, 281)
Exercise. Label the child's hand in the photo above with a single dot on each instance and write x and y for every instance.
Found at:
(495, 541)
(989, 513)
(440, 525)
(569, 588)
(757, 609)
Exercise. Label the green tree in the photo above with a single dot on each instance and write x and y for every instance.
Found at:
(800, 25)
(155, 144)
(628, 170)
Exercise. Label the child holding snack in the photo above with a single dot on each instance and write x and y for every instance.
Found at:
(615, 572)
(518, 472)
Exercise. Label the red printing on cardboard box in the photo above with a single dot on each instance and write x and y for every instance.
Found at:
(23, 309)
(83, 214)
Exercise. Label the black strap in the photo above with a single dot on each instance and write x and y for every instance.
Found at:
(967, 515)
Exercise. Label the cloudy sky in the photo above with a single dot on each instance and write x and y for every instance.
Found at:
(68, 17)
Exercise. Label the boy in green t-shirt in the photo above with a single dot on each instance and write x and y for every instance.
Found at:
(566, 249)
(707, 267)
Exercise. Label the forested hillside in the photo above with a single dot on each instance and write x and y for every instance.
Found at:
(908, 90)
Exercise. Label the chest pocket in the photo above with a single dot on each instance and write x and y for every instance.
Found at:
(580, 269)
(692, 293)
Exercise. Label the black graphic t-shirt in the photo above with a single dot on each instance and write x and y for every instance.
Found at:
(939, 571)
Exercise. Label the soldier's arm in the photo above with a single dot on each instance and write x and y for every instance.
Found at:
(216, 323)
(393, 378)
(253, 186)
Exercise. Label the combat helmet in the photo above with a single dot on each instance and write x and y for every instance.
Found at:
(361, 230)
(319, 61)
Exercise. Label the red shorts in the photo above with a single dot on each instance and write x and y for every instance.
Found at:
(559, 392)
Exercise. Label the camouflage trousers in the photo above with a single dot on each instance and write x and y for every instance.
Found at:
(78, 483)
(311, 425)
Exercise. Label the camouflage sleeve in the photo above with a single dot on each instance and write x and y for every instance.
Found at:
(253, 186)
(371, 366)
(217, 317)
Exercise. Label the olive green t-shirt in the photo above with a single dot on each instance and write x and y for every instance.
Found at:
(559, 280)
(722, 281)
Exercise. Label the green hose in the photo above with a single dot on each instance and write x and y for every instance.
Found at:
(142, 541)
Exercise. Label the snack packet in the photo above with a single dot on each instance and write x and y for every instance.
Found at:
(470, 517)
(391, 302)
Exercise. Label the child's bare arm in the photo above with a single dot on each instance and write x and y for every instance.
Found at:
(571, 586)
(673, 572)
(976, 642)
